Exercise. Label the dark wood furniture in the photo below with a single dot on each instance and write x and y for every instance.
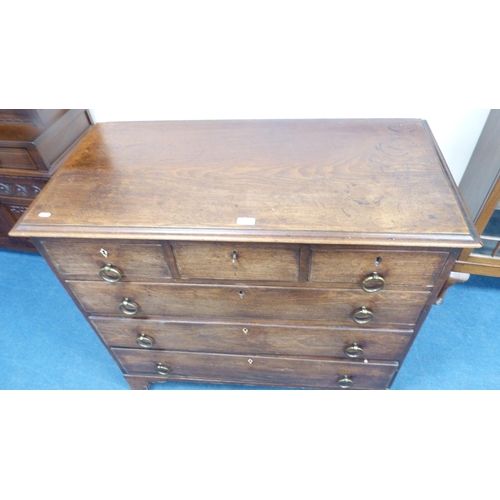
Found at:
(33, 143)
(299, 253)
(480, 188)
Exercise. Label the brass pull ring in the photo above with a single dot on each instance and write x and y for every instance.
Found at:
(345, 382)
(353, 351)
(110, 273)
(373, 283)
(145, 341)
(129, 307)
(362, 315)
(162, 369)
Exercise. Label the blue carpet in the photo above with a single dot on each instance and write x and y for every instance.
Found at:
(47, 344)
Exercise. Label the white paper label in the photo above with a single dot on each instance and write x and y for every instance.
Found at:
(44, 214)
(245, 221)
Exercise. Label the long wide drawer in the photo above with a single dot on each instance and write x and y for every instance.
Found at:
(257, 338)
(294, 372)
(230, 301)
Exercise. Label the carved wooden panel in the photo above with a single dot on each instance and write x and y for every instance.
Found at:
(26, 189)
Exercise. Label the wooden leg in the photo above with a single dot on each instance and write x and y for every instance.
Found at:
(142, 382)
(452, 280)
(137, 383)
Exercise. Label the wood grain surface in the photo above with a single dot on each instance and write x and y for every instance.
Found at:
(298, 372)
(331, 264)
(86, 258)
(246, 337)
(243, 301)
(325, 181)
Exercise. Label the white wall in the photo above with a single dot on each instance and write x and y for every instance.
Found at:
(456, 130)
(224, 59)
(263, 59)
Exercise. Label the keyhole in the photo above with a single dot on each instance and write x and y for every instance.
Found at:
(378, 260)
(104, 252)
(241, 294)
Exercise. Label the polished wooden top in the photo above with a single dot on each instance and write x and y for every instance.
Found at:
(356, 181)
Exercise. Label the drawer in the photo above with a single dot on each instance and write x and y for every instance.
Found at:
(16, 158)
(294, 372)
(395, 267)
(86, 258)
(237, 261)
(257, 338)
(257, 302)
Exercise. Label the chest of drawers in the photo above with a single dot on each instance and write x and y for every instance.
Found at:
(297, 253)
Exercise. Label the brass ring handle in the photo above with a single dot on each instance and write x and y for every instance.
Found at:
(345, 382)
(128, 306)
(162, 369)
(362, 315)
(354, 351)
(145, 341)
(110, 273)
(373, 283)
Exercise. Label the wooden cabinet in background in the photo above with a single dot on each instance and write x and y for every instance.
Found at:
(33, 143)
(480, 188)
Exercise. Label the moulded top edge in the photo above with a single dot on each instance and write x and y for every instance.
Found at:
(247, 235)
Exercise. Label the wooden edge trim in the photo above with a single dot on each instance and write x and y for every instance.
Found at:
(458, 196)
(241, 235)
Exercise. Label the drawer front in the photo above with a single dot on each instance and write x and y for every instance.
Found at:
(395, 267)
(16, 158)
(242, 338)
(237, 261)
(298, 372)
(231, 301)
(88, 257)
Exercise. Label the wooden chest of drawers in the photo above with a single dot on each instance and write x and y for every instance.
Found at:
(298, 253)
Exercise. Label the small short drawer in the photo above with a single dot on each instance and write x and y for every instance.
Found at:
(106, 260)
(406, 268)
(16, 158)
(258, 338)
(251, 369)
(237, 261)
(336, 307)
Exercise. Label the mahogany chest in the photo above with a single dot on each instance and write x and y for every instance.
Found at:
(297, 253)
